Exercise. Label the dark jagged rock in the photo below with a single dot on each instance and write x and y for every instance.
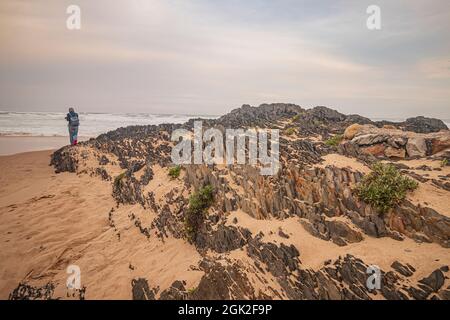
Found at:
(405, 270)
(434, 281)
(103, 160)
(127, 189)
(325, 121)
(321, 197)
(103, 174)
(223, 239)
(282, 234)
(262, 116)
(27, 292)
(64, 160)
(138, 224)
(280, 260)
(424, 125)
(141, 291)
(223, 283)
(176, 291)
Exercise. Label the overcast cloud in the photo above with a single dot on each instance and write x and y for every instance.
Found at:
(210, 56)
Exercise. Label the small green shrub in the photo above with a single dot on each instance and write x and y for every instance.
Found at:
(384, 187)
(335, 140)
(295, 118)
(444, 162)
(199, 202)
(290, 131)
(119, 178)
(192, 290)
(174, 172)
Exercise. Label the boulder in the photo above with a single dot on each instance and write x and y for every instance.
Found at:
(369, 139)
(424, 125)
(340, 230)
(440, 143)
(397, 142)
(435, 280)
(405, 270)
(141, 290)
(391, 152)
(416, 147)
(375, 150)
(351, 131)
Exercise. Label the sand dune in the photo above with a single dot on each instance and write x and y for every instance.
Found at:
(50, 221)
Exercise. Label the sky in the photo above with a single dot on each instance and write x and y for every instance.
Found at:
(208, 57)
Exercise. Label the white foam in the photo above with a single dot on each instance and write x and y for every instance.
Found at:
(51, 124)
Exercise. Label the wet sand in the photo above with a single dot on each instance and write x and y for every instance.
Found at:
(16, 144)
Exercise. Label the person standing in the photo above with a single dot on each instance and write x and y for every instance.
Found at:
(73, 124)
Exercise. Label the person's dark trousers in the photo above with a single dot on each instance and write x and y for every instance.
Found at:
(73, 134)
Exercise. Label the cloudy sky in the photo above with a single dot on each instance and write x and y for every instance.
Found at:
(210, 56)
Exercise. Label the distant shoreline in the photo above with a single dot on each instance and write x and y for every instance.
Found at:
(10, 145)
(15, 143)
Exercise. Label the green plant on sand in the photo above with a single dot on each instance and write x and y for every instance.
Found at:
(290, 131)
(295, 118)
(174, 172)
(118, 179)
(335, 140)
(384, 187)
(199, 202)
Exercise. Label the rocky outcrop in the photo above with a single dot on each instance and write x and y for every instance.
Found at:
(424, 125)
(416, 147)
(222, 239)
(25, 291)
(262, 116)
(279, 260)
(64, 160)
(28, 292)
(141, 290)
(405, 270)
(314, 195)
(320, 197)
(396, 144)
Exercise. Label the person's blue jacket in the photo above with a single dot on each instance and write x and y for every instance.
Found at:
(72, 118)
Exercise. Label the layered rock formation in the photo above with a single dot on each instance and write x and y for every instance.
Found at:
(312, 195)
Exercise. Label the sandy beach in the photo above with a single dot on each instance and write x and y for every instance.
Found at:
(50, 221)
(202, 151)
(16, 144)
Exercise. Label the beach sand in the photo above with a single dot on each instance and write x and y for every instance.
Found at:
(16, 144)
(50, 221)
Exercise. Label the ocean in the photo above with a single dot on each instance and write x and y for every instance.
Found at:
(53, 124)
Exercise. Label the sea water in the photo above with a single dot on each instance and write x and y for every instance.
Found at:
(53, 124)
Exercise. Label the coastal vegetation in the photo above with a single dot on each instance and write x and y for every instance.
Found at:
(334, 141)
(384, 187)
(118, 179)
(290, 131)
(174, 172)
(199, 202)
